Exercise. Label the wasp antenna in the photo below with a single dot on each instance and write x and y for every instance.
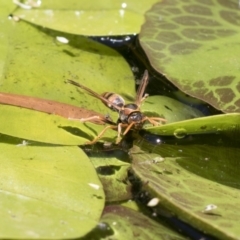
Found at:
(142, 87)
(94, 94)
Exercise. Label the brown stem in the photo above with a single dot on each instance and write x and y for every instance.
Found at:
(51, 107)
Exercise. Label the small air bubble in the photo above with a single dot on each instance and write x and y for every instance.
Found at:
(95, 186)
(180, 133)
(24, 143)
(209, 208)
(62, 39)
(124, 5)
(158, 159)
(135, 69)
(103, 226)
(153, 202)
(154, 214)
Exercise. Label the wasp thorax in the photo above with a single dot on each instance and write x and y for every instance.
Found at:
(131, 106)
(115, 99)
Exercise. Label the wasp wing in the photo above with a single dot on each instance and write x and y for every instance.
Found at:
(141, 88)
(94, 94)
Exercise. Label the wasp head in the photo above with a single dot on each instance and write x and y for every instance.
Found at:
(136, 117)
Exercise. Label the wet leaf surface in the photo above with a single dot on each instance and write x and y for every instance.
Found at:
(194, 44)
(42, 127)
(38, 66)
(45, 191)
(189, 177)
(112, 168)
(224, 123)
(123, 223)
(168, 108)
(79, 17)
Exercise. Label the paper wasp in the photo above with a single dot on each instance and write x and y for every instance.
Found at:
(130, 116)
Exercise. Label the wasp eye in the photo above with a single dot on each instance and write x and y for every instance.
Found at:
(135, 117)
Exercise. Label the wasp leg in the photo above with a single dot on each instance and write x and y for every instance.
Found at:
(154, 120)
(128, 128)
(100, 134)
(120, 125)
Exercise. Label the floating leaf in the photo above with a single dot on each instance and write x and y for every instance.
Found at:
(194, 44)
(46, 192)
(43, 69)
(224, 123)
(79, 17)
(113, 173)
(42, 127)
(168, 108)
(189, 178)
(123, 223)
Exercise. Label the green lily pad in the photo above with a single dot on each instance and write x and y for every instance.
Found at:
(194, 44)
(116, 185)
(168, 108)
(42, 70)
(113, 173)
(124, 223)
(198, 182)
(47, 192)
(42, 127)
(224, 123)
(79, 17)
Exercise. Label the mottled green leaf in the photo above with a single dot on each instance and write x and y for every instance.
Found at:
(124, 223)
(189, 179)
(195, 45)
(112, 170)
(89, 18)
(47, 192)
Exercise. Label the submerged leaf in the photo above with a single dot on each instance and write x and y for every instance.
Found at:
(195, 45)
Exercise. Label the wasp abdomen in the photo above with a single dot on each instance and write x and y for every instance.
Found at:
(113, 98)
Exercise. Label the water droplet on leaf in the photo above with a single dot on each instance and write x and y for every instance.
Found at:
(180, 133)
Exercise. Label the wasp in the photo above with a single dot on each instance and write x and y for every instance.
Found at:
(130, 115)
